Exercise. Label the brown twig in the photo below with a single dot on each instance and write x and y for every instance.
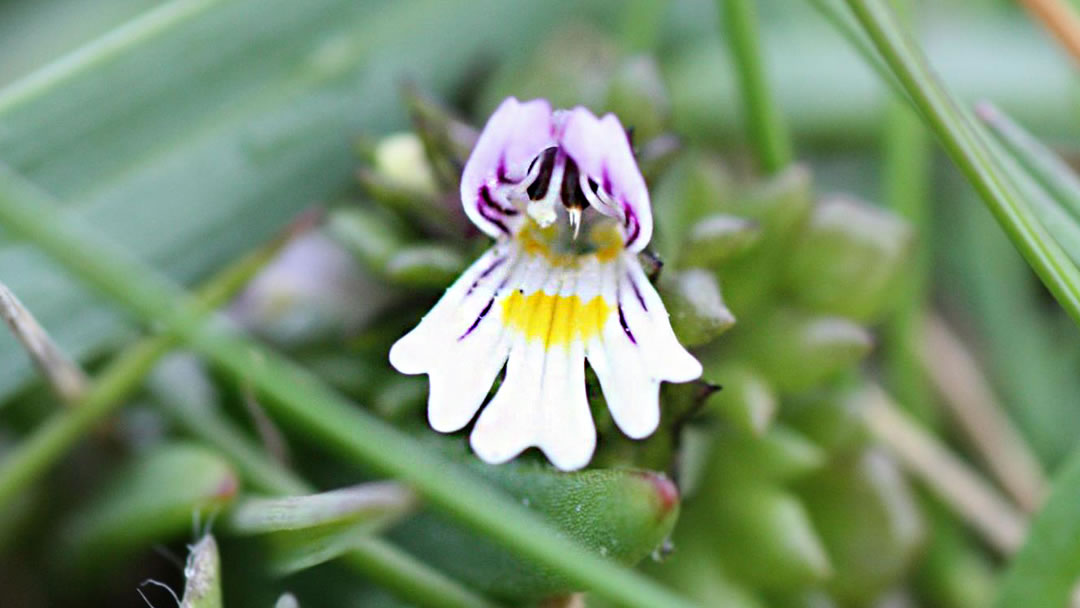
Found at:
(1062, 21)
(64, 376)
(955, 483)
(968, 396)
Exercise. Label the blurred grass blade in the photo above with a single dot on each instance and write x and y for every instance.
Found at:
(1049, 170)
(202, 589)
(53, 438)
(301, 402)
(958, 136)
(371, 502)
(206, 115)
(1045, 571)
(765, 123)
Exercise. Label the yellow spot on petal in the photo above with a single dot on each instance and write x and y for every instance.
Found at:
(555, 320)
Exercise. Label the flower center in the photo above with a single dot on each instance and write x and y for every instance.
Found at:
(555, 320)
(554, 185)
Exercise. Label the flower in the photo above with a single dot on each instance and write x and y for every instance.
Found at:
(550, 294)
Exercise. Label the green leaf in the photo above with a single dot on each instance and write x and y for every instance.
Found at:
(365, 503)
(204, 116)
(620, 514)
(1045, 571)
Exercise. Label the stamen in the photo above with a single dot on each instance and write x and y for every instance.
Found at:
(573, 196)
(539, 187)
(574, 214)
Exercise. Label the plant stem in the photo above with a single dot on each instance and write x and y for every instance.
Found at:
(972, 402)
(905, 183)
(958, 135)
(55, 437)
(63, 375)
(951, 479)
(765, 124)
(310, 407)
(379, 561)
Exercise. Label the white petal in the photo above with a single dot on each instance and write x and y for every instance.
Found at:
(459, 344)
(542, 402)
(636, 350)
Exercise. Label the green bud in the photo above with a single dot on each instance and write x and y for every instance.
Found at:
(429, 265)
(151, 500)
(849, 259)
(780, 455)
(747, 402)
(796, 351)
(401, 161)
(765, 537)
(832, 420)
(698, 313)
(717, 238)
(448, 140)
(637, 95)
(202, 588)
(779, 207)
(694, 187)
(621, 514)
(869, 521)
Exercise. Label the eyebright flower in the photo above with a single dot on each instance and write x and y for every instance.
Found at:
(561, 194)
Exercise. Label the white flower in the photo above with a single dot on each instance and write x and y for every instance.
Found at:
(550, 294)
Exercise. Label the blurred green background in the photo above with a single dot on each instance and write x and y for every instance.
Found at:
(192, 133)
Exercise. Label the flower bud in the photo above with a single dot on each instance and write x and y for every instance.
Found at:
(779, 207)
(796, 351)
(765, 537)
(869, 520)
(698, 313)
(748, 402)
(848, 259)
(717, 238)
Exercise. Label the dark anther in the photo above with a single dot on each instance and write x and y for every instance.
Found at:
(630, 140)
(572, 196)
(539, 187)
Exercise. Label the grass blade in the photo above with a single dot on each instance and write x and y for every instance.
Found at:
(958, 136)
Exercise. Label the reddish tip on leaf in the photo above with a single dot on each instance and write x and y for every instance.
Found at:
(666, 491)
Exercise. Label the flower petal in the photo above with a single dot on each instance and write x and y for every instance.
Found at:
(514, 135)
(542, 401)
(457, 345)
(602, 151)
(636, 351)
